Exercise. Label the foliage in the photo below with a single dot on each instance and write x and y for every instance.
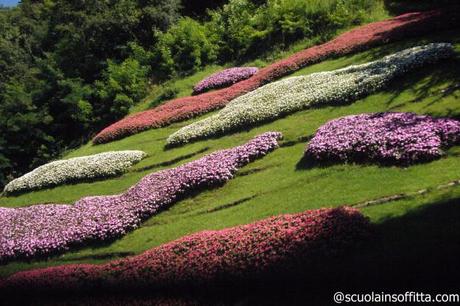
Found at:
(66, 71)
(185, 48)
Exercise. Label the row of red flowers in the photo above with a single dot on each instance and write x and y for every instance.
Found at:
(363, 37)
(275, 245)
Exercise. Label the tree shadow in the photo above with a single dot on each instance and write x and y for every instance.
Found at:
(398, 7)
(171, 161)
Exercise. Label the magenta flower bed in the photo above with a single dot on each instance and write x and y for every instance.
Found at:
(49, 228)
(224, 78)
(283, 243)
(401, 138)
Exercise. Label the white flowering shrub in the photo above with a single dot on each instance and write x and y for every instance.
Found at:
(293, 94)
(75, 169)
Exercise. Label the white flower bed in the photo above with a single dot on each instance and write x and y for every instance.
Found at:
(76, 169)
(293, 94)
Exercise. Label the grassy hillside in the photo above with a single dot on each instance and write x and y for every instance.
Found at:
(280, 183)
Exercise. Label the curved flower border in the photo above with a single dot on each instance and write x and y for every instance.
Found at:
(76, 169)
(290, 95)
(50, 228)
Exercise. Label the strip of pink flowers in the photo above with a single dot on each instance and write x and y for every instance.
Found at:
(396, 138)
(50, 228)
(224, 78)
(284, 243)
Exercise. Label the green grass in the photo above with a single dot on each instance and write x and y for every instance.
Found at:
(278, 183)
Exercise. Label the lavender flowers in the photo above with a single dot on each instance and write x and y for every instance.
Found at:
(401, 138)
(46, 229)
(224, 78)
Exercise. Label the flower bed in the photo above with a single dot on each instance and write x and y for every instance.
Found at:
(361, 38)
(75, 169)
(224, 78)
(283, 243)
(402, 138)
(280, 98)
(50, 228)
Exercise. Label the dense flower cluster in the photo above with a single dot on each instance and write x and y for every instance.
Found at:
(384, 137)
(224, 78)
(293, 94)
(76, 169)
(363, 37)
(48, 228)
(273, 245)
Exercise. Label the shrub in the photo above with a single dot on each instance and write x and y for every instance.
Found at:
(75, 170)
(283, 243)
(224, 78)
(401, 138)
(278, 99)
(363, 37)
(184, 48)
(51, 228)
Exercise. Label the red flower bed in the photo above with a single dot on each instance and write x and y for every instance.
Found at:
(363, 37)
(278, 244)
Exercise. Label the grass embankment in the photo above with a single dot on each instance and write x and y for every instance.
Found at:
(279, 183)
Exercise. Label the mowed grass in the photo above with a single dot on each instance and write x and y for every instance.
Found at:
(279, 183)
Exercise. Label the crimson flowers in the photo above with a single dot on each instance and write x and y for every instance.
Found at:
(401, 138)
(276, 244)
(224, 78)
(50, 228)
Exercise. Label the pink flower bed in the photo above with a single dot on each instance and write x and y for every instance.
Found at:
(50, 228)
(224, 78)
(364, 37)
(283, 243)
(402, 138)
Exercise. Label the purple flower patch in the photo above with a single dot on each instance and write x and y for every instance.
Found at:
(224, 78)
(395, 138)
(50, 228)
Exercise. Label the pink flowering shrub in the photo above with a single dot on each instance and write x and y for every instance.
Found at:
(402, 138)
(360, 38)
(274, 245)
(49, 228)
(224, 78)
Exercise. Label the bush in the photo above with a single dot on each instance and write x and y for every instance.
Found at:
(184, 48)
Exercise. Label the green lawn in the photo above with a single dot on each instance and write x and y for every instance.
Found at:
(278, 183)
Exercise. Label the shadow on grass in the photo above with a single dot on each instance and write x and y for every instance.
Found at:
(104, 256)
(172, 161)
(227, 205)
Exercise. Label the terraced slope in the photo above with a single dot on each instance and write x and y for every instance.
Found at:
(423, 217)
